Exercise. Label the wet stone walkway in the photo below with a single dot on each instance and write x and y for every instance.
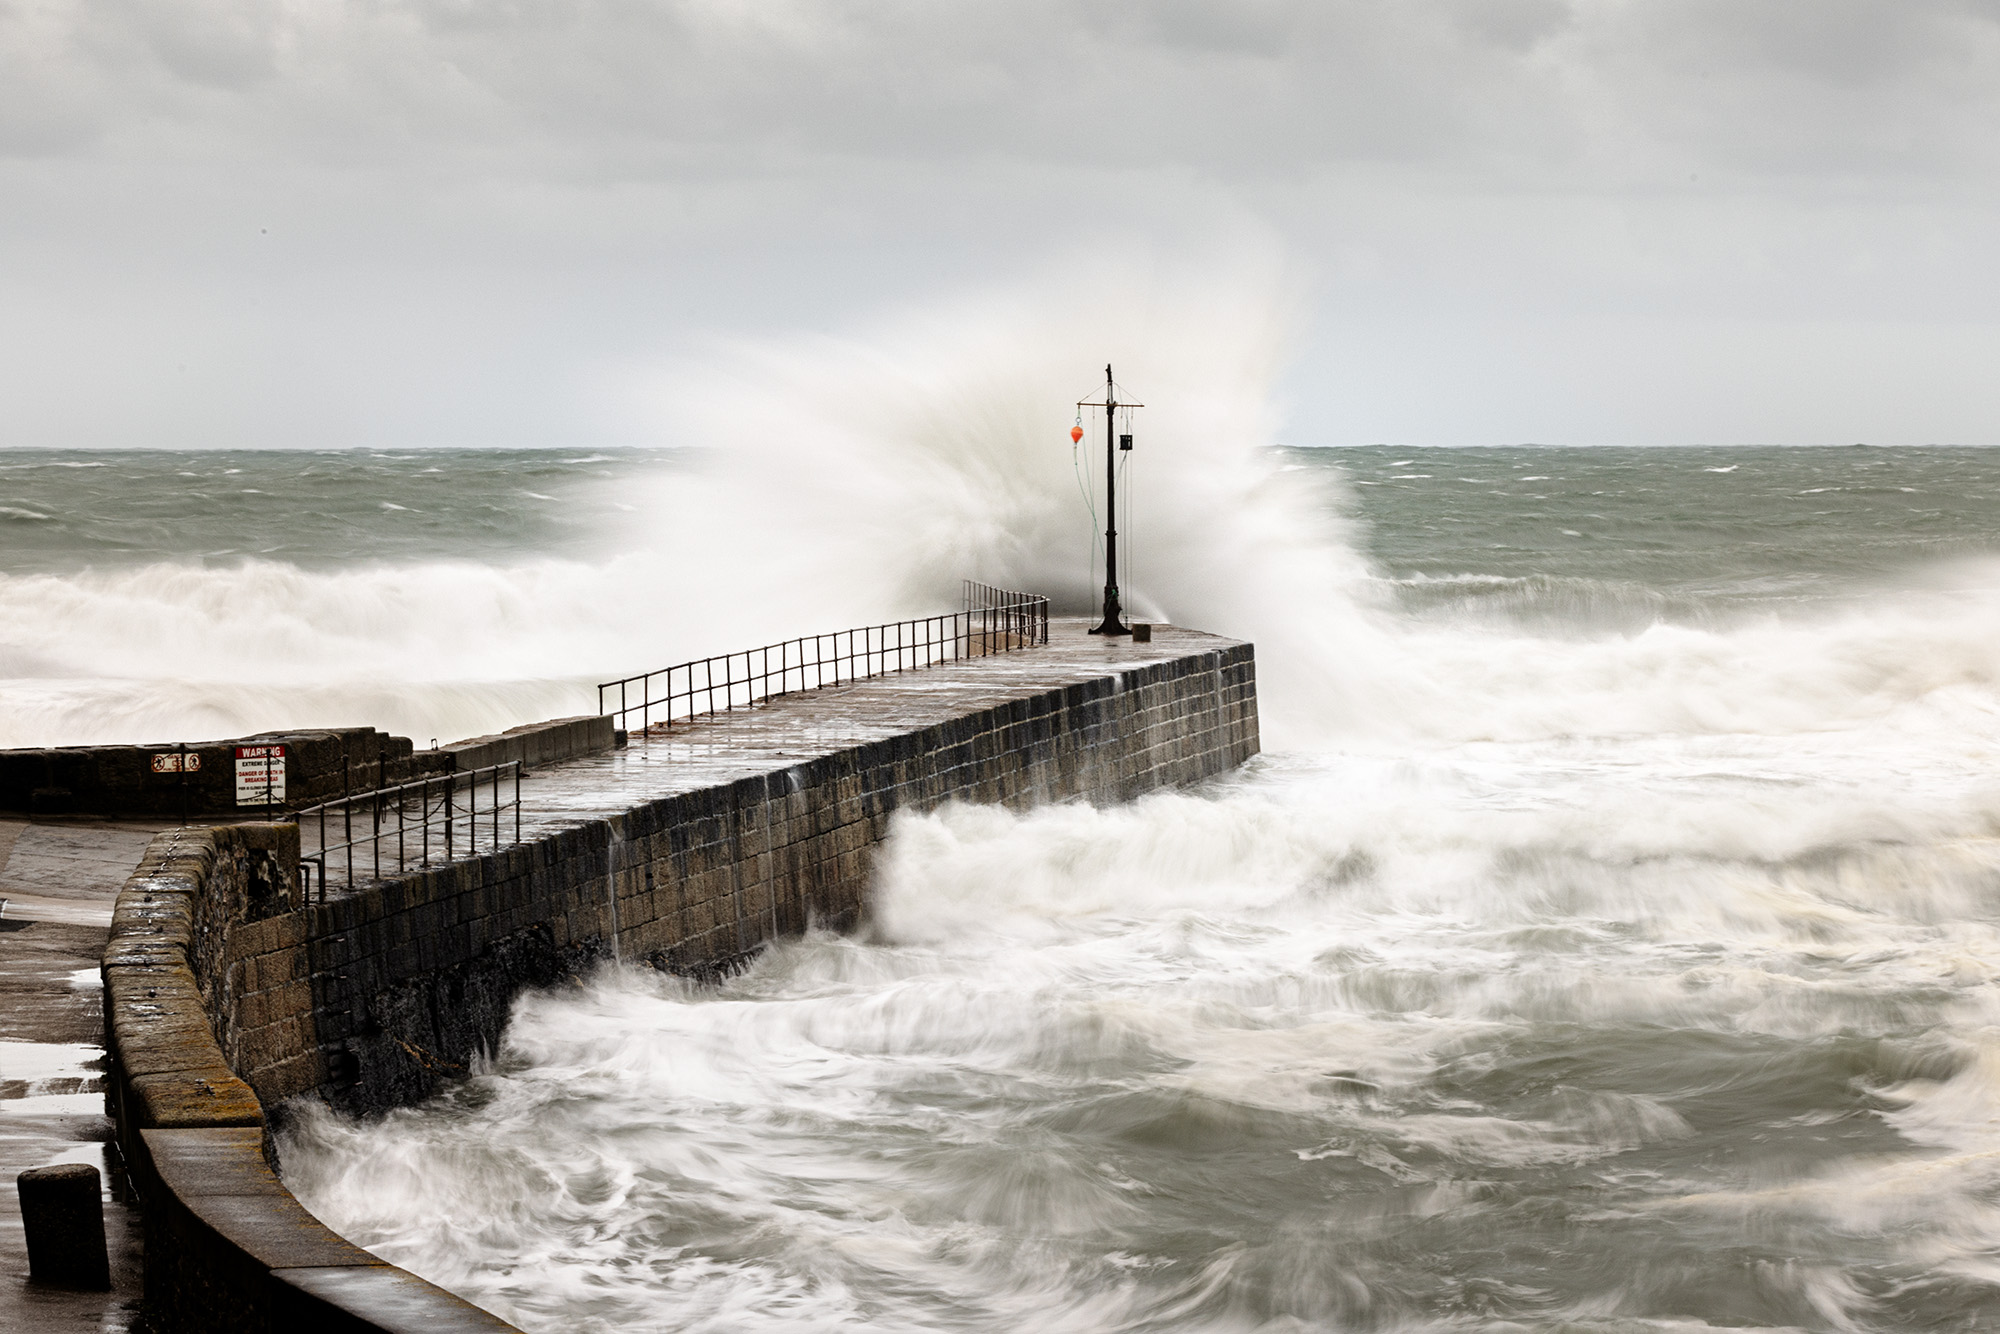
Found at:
(58, 879)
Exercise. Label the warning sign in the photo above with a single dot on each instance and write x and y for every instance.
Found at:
(260, 775)
(173, 762)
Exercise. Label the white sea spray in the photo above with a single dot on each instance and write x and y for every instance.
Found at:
(1610, 939)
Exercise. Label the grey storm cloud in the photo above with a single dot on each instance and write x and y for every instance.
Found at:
(414, 222)
(629, 86)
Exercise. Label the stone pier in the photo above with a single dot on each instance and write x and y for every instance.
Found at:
(228, 994)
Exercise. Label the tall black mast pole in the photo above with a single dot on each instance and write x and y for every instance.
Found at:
(1112, 625)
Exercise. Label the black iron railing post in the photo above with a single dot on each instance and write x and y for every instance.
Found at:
(399, 796)
(347, 808)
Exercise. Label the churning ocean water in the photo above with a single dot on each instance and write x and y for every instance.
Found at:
(164, 595)
(1608, 941)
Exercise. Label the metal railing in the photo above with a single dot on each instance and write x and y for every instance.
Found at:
(400, 826)
(994, 620)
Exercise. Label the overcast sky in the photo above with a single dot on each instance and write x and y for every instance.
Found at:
(302, 222)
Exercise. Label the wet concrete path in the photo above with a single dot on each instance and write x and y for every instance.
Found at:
(58, 879)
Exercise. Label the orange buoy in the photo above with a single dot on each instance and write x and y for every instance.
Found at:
(1076, 435)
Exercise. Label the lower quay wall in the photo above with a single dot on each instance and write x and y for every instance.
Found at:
(227, 995)
(319, 766)
(120, 780)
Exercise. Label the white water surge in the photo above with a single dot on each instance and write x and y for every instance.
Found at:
(1550, 975)
(812, 485)
(1564, 1034)
(1608, 943)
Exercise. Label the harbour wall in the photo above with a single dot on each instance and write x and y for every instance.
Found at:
(320, 764)
(228, 995)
